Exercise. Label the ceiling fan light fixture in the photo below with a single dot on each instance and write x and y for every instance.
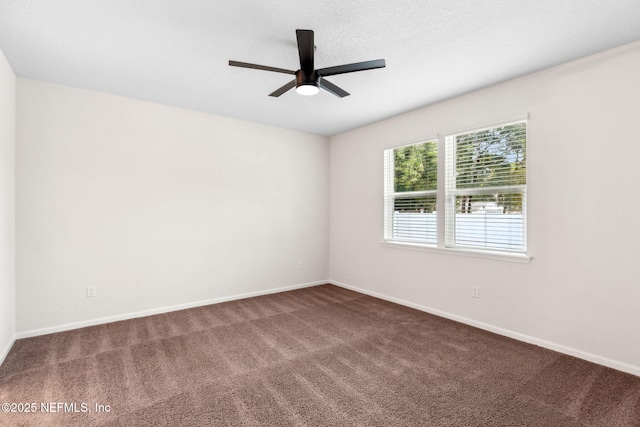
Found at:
(307, 89)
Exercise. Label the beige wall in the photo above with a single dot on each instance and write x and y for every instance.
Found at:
(580, 293)
(7, 206)
(157, 207)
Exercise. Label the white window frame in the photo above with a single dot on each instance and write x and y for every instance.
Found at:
(445, 202)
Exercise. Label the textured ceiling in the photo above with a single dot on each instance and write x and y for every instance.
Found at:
(177, 52)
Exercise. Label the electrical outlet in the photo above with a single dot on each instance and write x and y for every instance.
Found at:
(475, 292)
(91, 291)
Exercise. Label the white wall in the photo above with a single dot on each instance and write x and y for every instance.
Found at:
(157, 206)
(7, 206)
(581, 292)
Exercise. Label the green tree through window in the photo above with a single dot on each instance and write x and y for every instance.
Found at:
(416, 169)
(491, 158)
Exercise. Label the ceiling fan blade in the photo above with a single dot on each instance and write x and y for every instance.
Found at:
(305, 50)
(350, 68)
(331, 88)
(284, 88)
(260, 67)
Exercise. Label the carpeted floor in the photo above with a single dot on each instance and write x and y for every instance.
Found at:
(321, 356)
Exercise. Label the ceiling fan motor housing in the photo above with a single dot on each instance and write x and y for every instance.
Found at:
(306, 79)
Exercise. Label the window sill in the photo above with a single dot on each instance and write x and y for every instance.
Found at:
(521, 258)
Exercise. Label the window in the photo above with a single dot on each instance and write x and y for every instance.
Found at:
(411, 193)
(486, 183)
(483, 199)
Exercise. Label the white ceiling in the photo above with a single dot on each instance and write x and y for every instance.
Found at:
(176, 52)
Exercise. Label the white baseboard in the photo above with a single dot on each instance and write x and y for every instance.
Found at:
(6, 351)
(614, 364)
(161, 310)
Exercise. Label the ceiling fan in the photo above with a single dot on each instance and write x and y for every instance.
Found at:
(308, 80)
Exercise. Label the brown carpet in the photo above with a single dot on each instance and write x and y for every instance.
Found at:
(322, 356)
